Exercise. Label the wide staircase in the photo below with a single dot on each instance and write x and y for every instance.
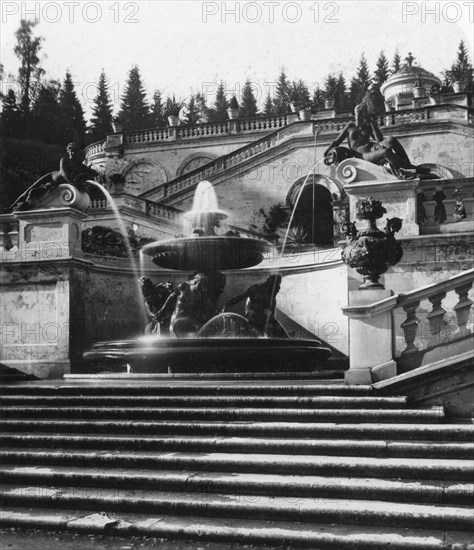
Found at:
(269, 462)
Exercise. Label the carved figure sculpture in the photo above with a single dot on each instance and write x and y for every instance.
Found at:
(71, 170)
(366, 140)
(155, 297)
(459, 213)
(440, 215)
(260, 307)
(189, 306)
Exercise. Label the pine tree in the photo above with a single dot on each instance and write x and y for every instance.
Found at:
(72, 114)
(330, 86)
(248, 103)
(46, 115)
(134, 111)
(281, 96)
(101, 121)
(27, 50)
(269, 107)
(317, 101)
(193, 112)
(11, 116)
(360, 83)
(158, 118)
(381, 72)
(340, 95)
(219, 111)
(202, 108)
(396, 62)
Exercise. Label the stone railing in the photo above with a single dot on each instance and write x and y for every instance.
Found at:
(208, 171)
(147, 207)
(401, 332)
(273, 122)
(434, 315)
(446, 202)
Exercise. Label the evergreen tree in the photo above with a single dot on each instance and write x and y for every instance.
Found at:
(11, 116)
(330, 86)
(381, 72)
(340, 95)
(158, 118)
(72, 114)
(101, 121)
(46, 114)
(360, 83)
(134, 111)
(193, 112)
(27, 50)
(317, 101)
(248, 103)
(219, 112)
(201, 107)
(396, 62)
(281, 96)
(268, 108)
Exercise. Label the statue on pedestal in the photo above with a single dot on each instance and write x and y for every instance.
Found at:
(260, 307)
(366, 141)
(71, 171)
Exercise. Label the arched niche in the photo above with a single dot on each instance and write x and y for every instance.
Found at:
(312, 199)
(143, 174)
(194, 161)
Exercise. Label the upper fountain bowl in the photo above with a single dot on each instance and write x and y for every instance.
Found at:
(207, 253)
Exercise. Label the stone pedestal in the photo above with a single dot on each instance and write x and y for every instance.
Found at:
(370, 336)
(363, 179)
(50, 233)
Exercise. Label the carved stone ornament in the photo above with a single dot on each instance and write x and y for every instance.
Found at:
(371, 251)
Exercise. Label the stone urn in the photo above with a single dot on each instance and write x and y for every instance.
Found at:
(458, 86)
(371, 251)
(173, 120)
(329, 103)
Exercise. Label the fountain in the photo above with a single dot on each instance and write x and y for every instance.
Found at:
(190, 334)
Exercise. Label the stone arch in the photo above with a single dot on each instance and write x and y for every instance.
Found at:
(314, 211)
(196, 160)
(143, 174)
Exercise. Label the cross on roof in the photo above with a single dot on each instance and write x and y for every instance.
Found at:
(409, 59)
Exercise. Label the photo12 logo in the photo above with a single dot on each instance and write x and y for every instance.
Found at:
(429, 12)
(69, 12)
(269, 12)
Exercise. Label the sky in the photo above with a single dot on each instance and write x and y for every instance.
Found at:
(183, 47)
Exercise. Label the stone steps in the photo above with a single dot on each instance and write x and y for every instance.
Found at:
(264, 532)
(143, 387)
(406, 415)
(239, 401)
(293, 487)
(360, 466)
(331, 447)
(345, 511)
(254, 461)
(377, 431)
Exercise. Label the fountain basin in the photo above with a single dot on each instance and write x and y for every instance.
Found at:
(192, 355)
(207, 253)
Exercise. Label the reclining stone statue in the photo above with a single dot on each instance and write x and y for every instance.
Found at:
(366, 141)
(71, 171)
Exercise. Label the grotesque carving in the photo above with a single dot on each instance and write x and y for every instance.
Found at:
(260, 307)
(71, 171)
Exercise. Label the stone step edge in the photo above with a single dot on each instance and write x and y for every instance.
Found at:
(414, 449)
(463, 432)
(425, 468)
(321, 536)
(245, 506)
(245, 483)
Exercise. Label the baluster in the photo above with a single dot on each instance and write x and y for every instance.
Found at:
(436, 317)
(463, 308)
(410, 327)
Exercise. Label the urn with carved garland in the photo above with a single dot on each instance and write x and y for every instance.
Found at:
(371, 251)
